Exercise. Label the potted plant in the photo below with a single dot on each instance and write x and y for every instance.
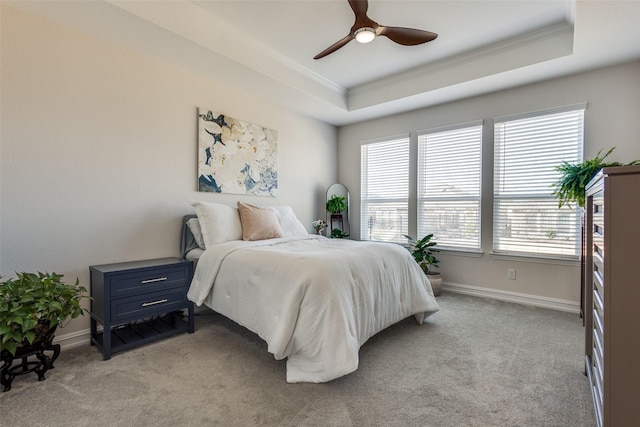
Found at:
(339, 234)
(423, 252)
(32, 306)
(575, 177)
(336, 205)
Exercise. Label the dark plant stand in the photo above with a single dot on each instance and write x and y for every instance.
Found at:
(336, 222)
(29, 359)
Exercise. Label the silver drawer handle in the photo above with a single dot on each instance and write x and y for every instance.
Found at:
(159, 279)
(160, 301)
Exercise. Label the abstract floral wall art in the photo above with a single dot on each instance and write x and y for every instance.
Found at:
(235, 156)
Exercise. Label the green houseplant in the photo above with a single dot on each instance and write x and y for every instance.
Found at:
(336, 204)
(33, 305)
(336, 233)
(575, 177)
(423, 252)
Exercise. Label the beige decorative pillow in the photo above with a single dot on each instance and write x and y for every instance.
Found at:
(258, 223)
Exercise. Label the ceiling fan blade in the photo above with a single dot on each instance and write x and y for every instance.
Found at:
(359, 7)
(337, 45)
(406, 36)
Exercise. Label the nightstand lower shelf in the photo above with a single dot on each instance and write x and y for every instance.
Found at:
(141, 332)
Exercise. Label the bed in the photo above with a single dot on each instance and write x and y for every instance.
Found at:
(314, 300)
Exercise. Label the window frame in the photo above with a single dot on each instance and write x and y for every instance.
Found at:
(366, 201)
(476, 198)
(545, 256)
(487, 217)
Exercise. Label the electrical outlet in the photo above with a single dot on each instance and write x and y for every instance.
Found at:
(511, 273)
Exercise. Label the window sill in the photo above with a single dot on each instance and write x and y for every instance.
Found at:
(461, 252)
(536, 259)
(450, 251)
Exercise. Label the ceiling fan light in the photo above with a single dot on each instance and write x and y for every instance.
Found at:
(365, 34)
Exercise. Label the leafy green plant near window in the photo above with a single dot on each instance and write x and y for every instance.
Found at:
(570, 187)
(423, 253)
(32, 304)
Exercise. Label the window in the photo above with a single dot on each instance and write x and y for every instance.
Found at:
(385, 190)
(449, 176)
(527, 148)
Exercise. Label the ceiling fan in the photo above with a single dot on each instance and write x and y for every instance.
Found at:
(366, 29)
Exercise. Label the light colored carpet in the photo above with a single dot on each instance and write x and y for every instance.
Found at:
(477, 362)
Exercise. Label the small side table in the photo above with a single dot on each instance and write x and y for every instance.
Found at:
(139, 302)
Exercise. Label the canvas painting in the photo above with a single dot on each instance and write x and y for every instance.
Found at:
(235, 156)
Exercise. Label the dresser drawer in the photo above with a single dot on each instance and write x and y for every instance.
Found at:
(598, 373)
(597, 344)
(598, 322)
(598, 201)
(145, 281)
(146, 305)
(598, 301)
(598, 278)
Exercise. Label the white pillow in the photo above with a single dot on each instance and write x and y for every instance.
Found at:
(219, 223)
(290, 224)
(194, 226)
(258, 223)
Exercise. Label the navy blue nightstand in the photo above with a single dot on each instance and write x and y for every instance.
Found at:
(139, 302)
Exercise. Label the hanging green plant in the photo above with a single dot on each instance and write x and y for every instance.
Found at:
(575, 177)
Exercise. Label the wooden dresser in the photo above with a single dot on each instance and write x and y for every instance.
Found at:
(612, 295)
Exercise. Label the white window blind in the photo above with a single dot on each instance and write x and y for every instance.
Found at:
(527, 149)
(385, 190)
(449, 177)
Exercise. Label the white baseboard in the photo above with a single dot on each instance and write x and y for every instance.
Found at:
(73, 339)
(517, 297)
(83, 337)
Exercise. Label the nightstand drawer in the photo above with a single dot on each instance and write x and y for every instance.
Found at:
(146, 305)
(146, 281)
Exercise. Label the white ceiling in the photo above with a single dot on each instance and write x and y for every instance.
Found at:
(267, 46)
(300, 29)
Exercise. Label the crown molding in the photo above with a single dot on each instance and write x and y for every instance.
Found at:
(530, 48)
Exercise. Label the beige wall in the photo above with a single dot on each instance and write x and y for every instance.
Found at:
(611, 119)
(98, 154)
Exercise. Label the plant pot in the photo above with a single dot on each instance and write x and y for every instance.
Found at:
(44, 337)
(436, 282)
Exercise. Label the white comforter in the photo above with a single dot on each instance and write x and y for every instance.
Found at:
(313, 300)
